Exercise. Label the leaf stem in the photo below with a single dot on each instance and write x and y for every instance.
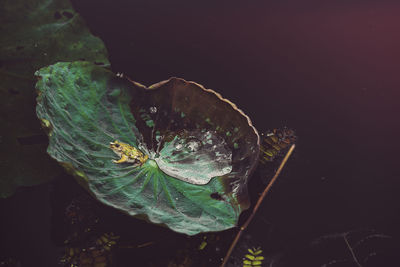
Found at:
(260, 199)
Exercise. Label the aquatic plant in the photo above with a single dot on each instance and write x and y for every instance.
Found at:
(187, 152)
(274, 142)
(253, 257)
(95, 252)
(34, 34)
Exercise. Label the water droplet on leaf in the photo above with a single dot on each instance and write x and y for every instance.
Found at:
(153, 110)
(193, 145)
(178, 146)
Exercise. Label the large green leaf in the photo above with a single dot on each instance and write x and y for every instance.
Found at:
(34, 34)
(196, 175)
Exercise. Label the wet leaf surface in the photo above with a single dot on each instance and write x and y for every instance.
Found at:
(85, 107)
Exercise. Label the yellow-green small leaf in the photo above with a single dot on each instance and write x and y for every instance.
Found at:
(250, 257)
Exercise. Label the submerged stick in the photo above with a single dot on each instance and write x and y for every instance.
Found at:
(352, 251)
(260, 199)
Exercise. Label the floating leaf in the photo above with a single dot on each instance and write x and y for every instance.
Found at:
(201, 148)
(34, 34)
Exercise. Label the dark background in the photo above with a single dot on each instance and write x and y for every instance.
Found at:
(327, 69)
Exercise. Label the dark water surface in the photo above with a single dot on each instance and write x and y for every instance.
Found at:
(329, 70)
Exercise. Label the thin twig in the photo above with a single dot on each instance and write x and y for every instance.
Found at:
(146, 244)
(351, 250)
(137, 246)
(260, 199)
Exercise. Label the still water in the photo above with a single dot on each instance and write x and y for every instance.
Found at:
(327, 70)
